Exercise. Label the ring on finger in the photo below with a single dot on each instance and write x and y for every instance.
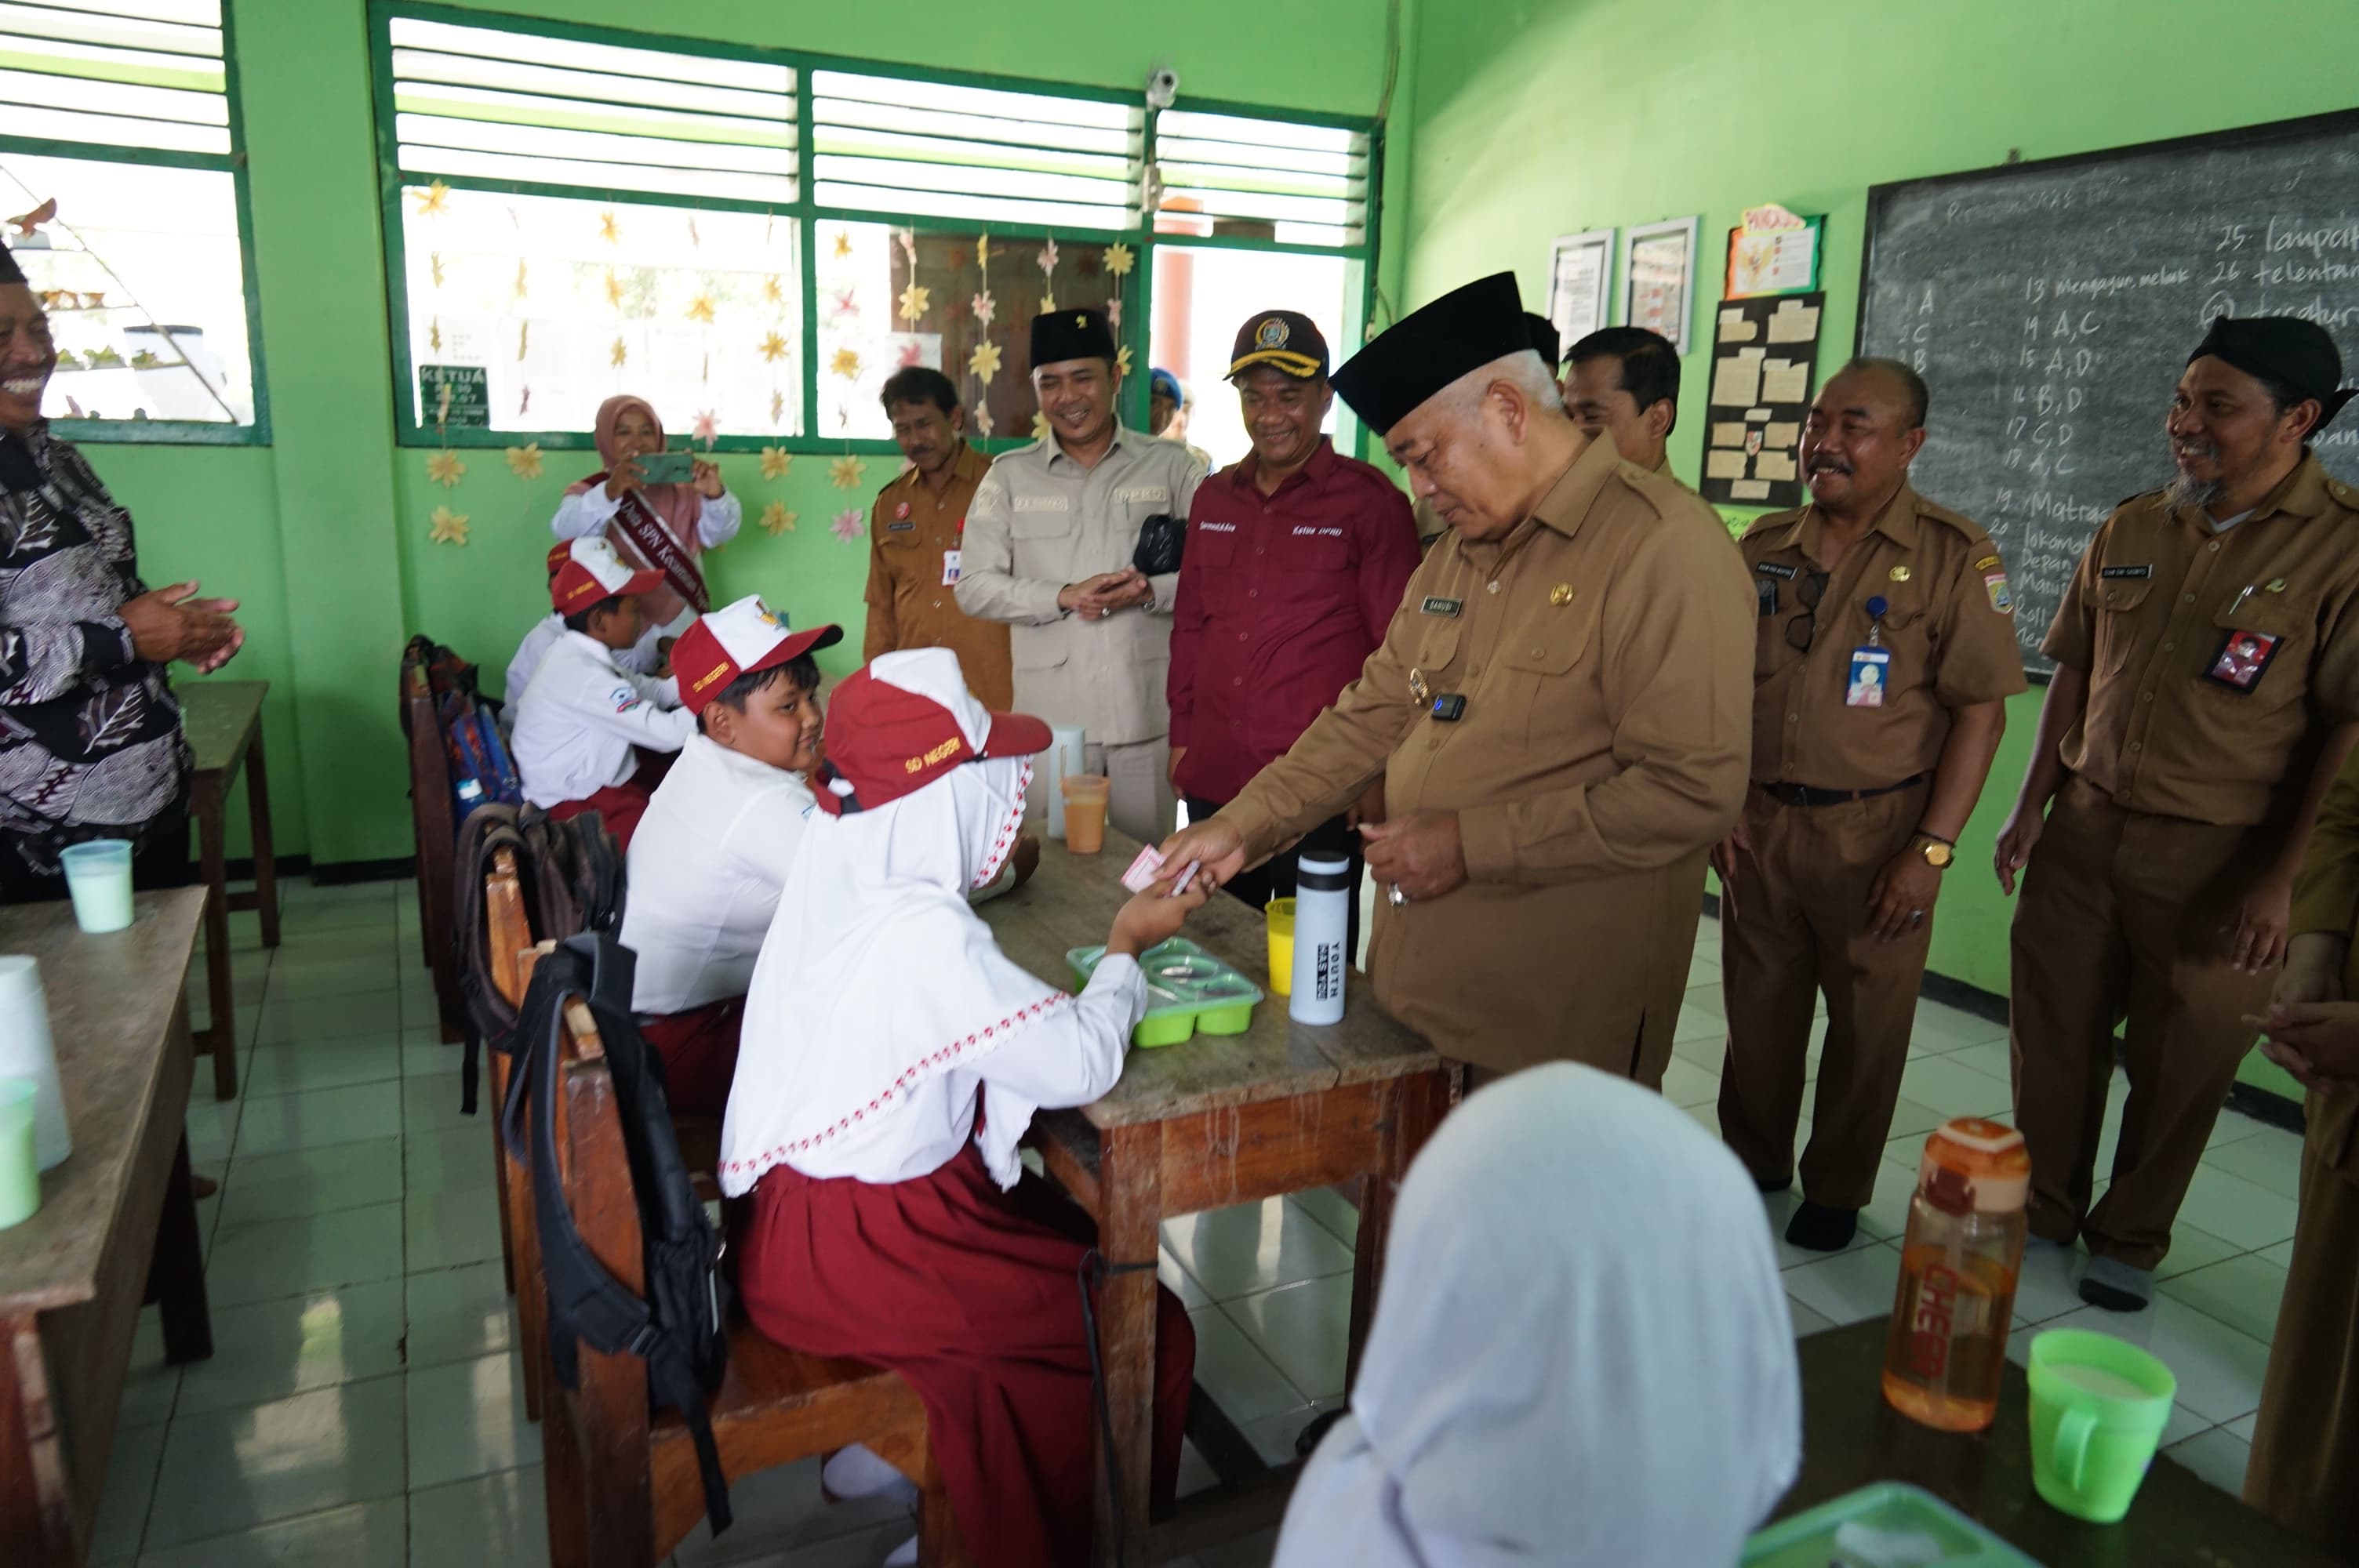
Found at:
(1394, 897)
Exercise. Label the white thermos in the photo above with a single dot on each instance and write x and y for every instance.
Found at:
(25, 1053)
(1065, 745)
(1322, 949)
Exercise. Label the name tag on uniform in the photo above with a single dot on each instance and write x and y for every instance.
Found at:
(2244, 657)
(901, 527)
(1040, 503)
(1153, 494)
(2120, 572)
(1871, 669)
(1436, 605)
(950, 568)
(1777, 570)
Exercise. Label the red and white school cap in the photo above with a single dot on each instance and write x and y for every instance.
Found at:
(904, 722)
(593, 573)
(737, 640)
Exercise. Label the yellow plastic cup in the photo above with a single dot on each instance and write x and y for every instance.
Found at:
(1279, 914)
(2098, 1406)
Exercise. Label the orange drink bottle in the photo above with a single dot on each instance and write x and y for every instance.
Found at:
(1947, 1349)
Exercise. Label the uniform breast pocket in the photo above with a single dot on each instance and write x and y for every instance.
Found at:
(1541, 662)
(1041, 524)
(1209, 569)
(2114, 611)
(2262, 647)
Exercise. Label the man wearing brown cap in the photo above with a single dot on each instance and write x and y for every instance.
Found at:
(1560, 712)
(1052, 541)
(1296, 561)
(2206, 690)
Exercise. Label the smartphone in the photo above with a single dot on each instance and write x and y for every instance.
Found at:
(667, 468)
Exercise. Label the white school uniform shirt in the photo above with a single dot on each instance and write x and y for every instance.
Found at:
(580, 716)
(706, 866)
(639, 659)
(718, 518)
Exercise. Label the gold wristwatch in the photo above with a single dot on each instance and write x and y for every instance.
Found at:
(1937, 852)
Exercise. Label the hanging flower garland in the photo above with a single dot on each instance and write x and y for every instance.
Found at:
(524, 462)
(447, 527)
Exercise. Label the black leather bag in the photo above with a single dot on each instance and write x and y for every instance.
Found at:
(1161, 540)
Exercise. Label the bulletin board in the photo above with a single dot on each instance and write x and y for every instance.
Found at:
(1764, 356)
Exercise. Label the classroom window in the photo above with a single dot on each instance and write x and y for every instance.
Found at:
(122, 114)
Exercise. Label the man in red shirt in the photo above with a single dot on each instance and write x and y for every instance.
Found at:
(1296, 561)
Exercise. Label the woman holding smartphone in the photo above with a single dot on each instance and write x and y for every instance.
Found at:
(655, 521)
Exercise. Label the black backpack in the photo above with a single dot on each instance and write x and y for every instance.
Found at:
(677, 1326)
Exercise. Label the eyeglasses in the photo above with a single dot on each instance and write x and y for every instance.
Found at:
(1810, 588)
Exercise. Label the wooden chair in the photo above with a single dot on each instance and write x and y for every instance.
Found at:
(623, 1485)
(437, 836)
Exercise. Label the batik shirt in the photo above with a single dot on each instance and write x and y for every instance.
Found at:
(90, 736)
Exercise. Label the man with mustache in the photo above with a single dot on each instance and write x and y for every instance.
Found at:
(1050, 544)
(917, 538)
(2206, 691)
(1883, 658)
(1297, 557)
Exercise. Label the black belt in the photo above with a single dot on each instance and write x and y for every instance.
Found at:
(1807, 795)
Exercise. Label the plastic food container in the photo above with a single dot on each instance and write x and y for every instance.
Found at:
(1188, 991)
(1887, 1522)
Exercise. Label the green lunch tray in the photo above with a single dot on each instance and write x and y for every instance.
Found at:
(1889, 1525)
(1187, 990)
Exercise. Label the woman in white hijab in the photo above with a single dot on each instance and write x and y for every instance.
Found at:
(891, 1058)
(1581, 1354)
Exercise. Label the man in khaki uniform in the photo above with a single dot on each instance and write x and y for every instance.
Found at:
(1049, 541)
(2306, 1446)
(1559, 710)
(916, 539)
(2206, 691)
(1860, 787)
(1624, 381)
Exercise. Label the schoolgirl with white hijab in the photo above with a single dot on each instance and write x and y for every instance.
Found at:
(1604, 1378)
(891, 1058)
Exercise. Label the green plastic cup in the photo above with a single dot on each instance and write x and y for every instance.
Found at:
(2098, 1405)
(20, 1172)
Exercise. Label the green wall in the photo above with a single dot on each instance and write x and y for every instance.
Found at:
(1531, 121)
(323, 533)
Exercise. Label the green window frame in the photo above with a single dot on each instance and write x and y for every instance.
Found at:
(173, 432)
(811, 216)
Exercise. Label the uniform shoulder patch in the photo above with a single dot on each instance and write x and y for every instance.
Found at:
(2343, 492)
(1988, 564)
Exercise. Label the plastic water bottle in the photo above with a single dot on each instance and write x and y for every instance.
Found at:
(1947, 1350)
(1322, 950)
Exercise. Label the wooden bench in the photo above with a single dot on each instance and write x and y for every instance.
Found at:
(437, 837)
(623, 1485)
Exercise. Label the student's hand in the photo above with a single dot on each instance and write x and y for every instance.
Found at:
(170, 624)
(708, 479)
(2313, 968)
(1155, 916)
(1213, 844)
(2256, 938)
(1026, 858)
(2317, 1042)
(2024, 825)
(1421, 854)
(625, 476)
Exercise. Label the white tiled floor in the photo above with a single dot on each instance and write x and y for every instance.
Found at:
(362, 1411)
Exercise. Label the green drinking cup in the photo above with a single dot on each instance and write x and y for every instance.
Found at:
(2098, 1405)
(21, 1175)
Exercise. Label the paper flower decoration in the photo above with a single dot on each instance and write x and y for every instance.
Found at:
(777, 405)
(693, 237)
(707, 428)
(776, 461)
(701, 308)
(433, 204)
(843, 241)
(609, 230)
(772, 292)
(445, 469)
(524, 462)
(1114, 312)
(908, 238)
(434, 333)
(982, 250)
(774, 348)
(984, 306)
(1039, 424)
(613, 290)
(523, 404)
(448, 527)
(985, 361)
(1049, 256)
(777, 519)
(914, 300)
(1122, 361)
(617, 354)
(846, 363)
(523, 339)
(844, 474)
(847, 525)
(434, 263)
(1118, 260)
(520, 283)
(983, 422)
(844, 302)
(1047, 304)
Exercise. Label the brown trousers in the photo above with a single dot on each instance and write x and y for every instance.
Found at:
(2121, 918)
(1801, 926)
(2305, 1466)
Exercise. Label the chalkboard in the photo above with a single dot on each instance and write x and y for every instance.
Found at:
(2051, 306)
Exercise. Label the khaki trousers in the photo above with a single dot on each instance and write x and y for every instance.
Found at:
(2305, 1465)
(1802, 926)
(2120, 918)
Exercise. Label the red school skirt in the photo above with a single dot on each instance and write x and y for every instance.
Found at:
(969, 1293)
(698, 1048)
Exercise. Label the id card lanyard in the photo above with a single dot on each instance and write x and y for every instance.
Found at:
(1871, 664)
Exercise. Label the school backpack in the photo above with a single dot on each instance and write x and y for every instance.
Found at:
(677, 1327)
(481, 772)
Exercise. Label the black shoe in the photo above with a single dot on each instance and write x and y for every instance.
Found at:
(1822, 1229)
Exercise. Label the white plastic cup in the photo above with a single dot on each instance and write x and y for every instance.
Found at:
(98, 875)
(1065, 748)
(20, 1179)
(26, 1051)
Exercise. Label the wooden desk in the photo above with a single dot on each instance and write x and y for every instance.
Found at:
(224, 722)
(117, 1223)
(1216, 1122)
(1852, 1438)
